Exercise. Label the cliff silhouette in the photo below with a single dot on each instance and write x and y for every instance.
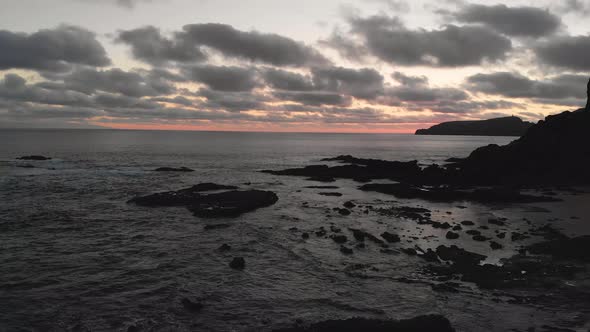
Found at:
(506, 126)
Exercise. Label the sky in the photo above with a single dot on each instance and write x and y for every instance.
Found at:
(387, 66)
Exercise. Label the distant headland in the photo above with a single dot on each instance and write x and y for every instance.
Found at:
(506, 126)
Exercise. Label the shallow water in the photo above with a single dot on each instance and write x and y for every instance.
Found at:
(76, 256)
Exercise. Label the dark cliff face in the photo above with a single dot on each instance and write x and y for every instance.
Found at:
(508, 126)
(555, 150)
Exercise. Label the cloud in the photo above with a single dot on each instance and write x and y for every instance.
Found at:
(133, 84)
(232, 101)
(514, 85)
(51, 49)
(224, 78)
(286, 80)
(268, 48)
(314, 98)
(412, 81)
(451, 46)
(149, 45)
(364, 83)
(512, 21)
(569, 52)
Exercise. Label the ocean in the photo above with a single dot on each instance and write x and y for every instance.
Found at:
(74, 255)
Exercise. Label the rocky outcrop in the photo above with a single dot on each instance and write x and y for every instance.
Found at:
(224, 204)
(554, 151)
(507, 126)
(421, 323)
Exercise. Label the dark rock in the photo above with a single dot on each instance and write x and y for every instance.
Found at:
(458, 256)
(330, 194)
(444, 225)
(224, 247)
(238, 263)
(305, 236)
(577, 248)
(457, 228)
(501, 235)
(224, 204)
(339, 238)
(349, 205)
(216, 226)
(345, 250)
(409, 251)
(391, 238)
(506, 126)
(473, 232)
(34, 157)
(496, 222)
(172, 169)
(452, 235)
(344, 212)
(322, 179)
(360, 235)
(495, 245)
(480, 238)
(421, 323)
(322, 187)
(191, 305)
(448, 194)
(516, 236)
(467, 223)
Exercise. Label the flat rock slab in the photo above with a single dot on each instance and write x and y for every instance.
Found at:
(223, 204)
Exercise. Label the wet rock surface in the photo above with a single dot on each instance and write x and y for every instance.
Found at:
(223, 204)
(421, 323)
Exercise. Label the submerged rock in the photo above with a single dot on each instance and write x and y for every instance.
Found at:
(172, 169)
(421, 323)
(238, 263)
(34, 157)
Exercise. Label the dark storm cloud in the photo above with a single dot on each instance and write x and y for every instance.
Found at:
(224, 78)
(517, 86)
(569, 52)
(267, 48)
(149, 45)
(115, 80)
(286, 80)
(51, 49)
(362, 83)
(315, 98)
(512, 21)
(451, 46)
